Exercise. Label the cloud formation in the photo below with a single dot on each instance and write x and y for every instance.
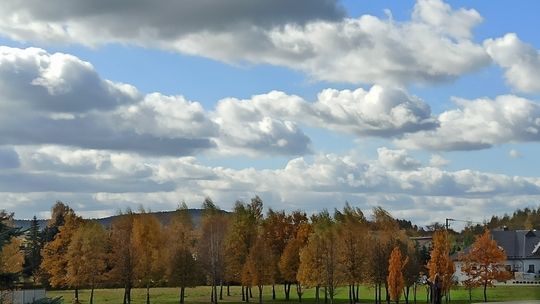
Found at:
(98, 181)
(521, 62)
(61, 100)
(480, 124)
(379, 111)
(434, 45)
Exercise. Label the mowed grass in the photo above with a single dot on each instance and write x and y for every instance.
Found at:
(201, 294)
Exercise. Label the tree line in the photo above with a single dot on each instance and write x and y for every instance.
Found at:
(245, 248)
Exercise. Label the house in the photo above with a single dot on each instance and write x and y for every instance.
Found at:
(522, 248)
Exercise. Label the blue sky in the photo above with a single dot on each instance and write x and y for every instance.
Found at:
(427, 108)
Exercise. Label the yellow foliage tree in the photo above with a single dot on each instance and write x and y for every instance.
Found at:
(182, 268)
(86, 256)
(483, 263)
(259, 269)
(11, 257)
(440, 262)
(55, 258)
(148, 240)
(121, 255)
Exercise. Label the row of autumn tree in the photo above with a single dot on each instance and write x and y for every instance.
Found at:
(244, 247)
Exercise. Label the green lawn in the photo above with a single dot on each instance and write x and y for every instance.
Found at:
(201, 295)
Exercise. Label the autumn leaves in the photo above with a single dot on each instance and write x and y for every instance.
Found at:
(252, 250)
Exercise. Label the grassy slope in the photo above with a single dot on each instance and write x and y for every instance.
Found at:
(201, 295)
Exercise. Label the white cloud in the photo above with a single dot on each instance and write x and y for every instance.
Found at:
(513, 153)
(59, 99)
(380, 111)
(119, 180)
(436, 160)
(435, 45)
(520, 60)
(396, 159)
(480, 124)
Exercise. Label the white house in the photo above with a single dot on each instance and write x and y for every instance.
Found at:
(522, 249)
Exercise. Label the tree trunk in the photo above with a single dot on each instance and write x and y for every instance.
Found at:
(406, 294)
(221, 291)
(250, 292)
(243, 297)
(485, 293)
(129, 294)
(77, 295)
(299, 291)
(357, 295)
(228, 289)
(286, 292)
(350, 294)
(182, 294)
(125, 297)
(260, 293)
(387, 293)
(92, 294)
(317, 298)
(273, 292)
(325, 294)
(147, 293)
(414, 292)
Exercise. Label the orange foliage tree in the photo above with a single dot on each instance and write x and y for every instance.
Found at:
(395, 279)
(483, 263)
(55, 258)
(440, 262)
(259, 269)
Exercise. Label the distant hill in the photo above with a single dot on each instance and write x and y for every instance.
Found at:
(164, 217)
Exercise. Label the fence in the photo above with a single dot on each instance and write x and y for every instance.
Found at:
(26, 296)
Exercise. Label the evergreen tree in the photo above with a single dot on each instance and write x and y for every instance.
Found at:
(32, 250)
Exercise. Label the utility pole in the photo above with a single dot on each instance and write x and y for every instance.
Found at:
(447, 223)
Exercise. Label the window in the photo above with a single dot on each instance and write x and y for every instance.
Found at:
(531, 268)
(508, 267)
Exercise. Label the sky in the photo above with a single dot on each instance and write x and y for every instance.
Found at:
(426, 108)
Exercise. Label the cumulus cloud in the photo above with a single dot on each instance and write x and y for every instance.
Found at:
(520, 60)
(435, 45)
(480, 124)
(396, 159)
(61, 100)
(117, 180)
(379, 111)
(436, 160)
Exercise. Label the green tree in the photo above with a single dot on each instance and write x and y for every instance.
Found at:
(32, 250)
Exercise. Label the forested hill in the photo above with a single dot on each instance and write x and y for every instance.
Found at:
(164, 217)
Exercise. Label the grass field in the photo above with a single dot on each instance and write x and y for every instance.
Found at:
(202, 294)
